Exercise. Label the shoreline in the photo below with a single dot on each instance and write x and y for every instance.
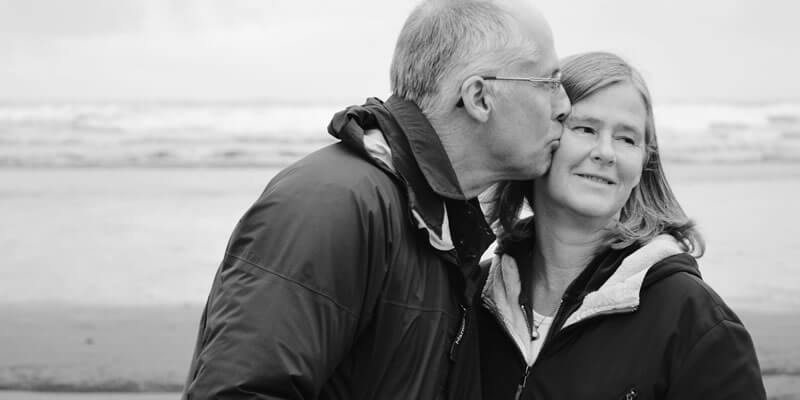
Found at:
(67, 348)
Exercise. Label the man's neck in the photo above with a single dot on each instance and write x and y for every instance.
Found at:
(472, 169)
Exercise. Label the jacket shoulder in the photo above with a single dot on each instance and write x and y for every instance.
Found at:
(339, 169)
(683, 294)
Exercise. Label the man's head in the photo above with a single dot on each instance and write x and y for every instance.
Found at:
(444, 53)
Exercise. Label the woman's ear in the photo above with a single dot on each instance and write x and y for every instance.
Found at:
(477, 101)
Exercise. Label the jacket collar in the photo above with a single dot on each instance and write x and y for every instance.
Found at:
(421, 163)
(427, 149)
(507, 284)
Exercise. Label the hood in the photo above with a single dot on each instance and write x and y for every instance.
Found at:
(350, 124)
(640, 269)
(619, 293)
(397, 137)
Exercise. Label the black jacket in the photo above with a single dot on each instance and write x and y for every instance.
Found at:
(652, 330)
(329, 289)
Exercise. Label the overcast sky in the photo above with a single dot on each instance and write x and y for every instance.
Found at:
(326, 50)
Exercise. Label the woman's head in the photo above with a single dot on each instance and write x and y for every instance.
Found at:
(608, 165)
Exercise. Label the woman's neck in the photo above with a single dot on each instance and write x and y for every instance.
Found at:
(563, 248)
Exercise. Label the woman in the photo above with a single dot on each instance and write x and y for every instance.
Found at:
(598, 295)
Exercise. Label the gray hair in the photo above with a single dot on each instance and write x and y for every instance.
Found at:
(443, 42)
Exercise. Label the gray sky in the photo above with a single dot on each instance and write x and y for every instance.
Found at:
(324, 50)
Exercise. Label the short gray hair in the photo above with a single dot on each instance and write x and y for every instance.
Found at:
(443, 42)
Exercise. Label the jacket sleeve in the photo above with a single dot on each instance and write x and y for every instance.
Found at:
(286, 301)
(722, 364)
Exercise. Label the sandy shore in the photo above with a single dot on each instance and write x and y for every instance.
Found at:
(147, 349)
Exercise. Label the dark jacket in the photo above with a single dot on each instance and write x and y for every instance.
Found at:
(638, 323)
(329, 287)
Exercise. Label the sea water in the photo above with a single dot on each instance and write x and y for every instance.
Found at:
(269, 133)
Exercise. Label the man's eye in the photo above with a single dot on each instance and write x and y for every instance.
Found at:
(583, 129)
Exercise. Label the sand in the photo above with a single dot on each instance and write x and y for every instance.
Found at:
(147, 349)
(105, 270)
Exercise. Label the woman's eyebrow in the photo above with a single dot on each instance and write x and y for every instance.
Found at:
(585, 118)
(599, 122)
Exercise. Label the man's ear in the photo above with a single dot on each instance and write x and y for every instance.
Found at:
(477, 101)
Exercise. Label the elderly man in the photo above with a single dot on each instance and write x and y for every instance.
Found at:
(352, 275)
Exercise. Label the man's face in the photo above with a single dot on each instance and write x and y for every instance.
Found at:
(526, 123)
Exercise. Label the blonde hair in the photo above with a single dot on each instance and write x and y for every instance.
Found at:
(651, 209)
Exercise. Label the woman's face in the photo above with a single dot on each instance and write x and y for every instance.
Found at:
(601, 155)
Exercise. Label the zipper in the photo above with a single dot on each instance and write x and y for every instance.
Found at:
(528, 322)
(521, 386)
(460, 334)
(631, 394)
(496, 314)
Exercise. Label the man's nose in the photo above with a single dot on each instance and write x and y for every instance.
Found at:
(562, 106)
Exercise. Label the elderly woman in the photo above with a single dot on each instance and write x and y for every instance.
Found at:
(598, 294)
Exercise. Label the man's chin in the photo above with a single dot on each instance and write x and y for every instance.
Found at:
(540, 166)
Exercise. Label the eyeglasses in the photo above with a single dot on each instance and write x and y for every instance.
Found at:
(551, 83)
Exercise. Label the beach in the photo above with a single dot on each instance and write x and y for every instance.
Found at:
(106, 269)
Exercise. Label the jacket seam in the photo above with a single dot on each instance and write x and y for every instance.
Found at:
(411, 307)
(720, 323)
(304, 286)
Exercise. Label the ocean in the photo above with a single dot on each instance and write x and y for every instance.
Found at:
(266, 133)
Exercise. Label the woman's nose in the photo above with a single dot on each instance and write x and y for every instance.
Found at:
(603, 150)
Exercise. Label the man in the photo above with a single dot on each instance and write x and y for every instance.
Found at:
(352, 275)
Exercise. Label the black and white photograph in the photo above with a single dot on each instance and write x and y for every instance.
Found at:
(408, 199)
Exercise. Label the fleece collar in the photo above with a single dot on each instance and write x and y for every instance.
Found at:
(620, 293)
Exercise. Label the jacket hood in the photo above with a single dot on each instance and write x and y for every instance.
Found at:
(398, 138)
(642, 268)
(350, 124)
(419, 139)
(504, 290)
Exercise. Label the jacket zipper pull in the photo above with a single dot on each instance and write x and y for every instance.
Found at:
(631, 394)
(460, 333)
(521, 386)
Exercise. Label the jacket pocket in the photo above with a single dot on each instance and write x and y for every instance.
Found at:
(631, 393)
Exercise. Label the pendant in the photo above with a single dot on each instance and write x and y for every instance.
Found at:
(534, 333)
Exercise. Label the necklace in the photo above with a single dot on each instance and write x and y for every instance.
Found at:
(537, 324)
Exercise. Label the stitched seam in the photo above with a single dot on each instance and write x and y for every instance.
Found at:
(423, 309)
(286, 278)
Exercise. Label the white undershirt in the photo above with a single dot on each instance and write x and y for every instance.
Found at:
(544, 324)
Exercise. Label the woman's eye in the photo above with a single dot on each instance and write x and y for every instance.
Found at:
(627, 140)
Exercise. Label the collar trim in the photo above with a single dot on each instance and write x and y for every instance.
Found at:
(620, 293)
(426, 148)
(378, 148)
